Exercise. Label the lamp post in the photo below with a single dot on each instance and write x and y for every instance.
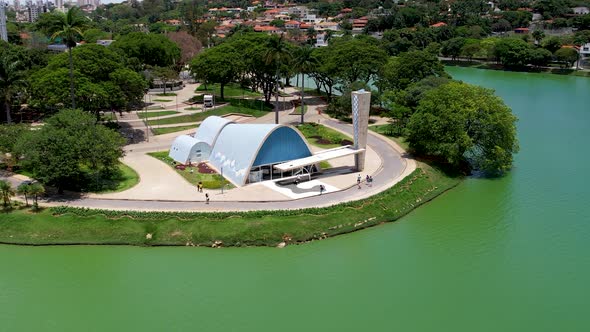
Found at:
(222, 181)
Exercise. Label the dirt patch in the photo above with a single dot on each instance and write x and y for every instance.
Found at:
(346, 142)
(324, 141)
(205, 169)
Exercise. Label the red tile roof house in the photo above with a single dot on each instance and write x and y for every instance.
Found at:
(267, 29)
(292, 25)
(521, 30)
(360, 23)
(438, 25)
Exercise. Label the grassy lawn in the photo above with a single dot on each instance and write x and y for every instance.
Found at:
(210, 181)
(322, 136)
(65, 225)
(126, 179)
(167, 94)
(143, 115)
(162, 100)
(192, 108)
(121, 178)
(201, 116)
(158, 107)
(387, 130)
(232, 90)
(167, 130)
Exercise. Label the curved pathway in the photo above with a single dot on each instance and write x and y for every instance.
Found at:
(395, 165)
(394, 168)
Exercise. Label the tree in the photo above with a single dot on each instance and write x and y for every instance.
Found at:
(189, 45)
(552, 8)
(69, 144)
(538, 35)
(460, 123)
(9, 135)
(103, 82)
(253, 47)
(221, 64)
(552, 44)
(165, 75)
(470, 49)
(6, 191)
(452, 48)
(403, 103)
(357, 59)
(69, 28)
(567, 56)
(582, 22)
(410, 67)
(512, 52)
(540, 57)
(11, 80)
(151, 49)
(25, 190)
(304, 63)
(36, 189)
(277, 54)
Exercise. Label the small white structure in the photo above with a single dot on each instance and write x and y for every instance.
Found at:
(198, 148)
(187, 149)
(585, 50)
(208, 100)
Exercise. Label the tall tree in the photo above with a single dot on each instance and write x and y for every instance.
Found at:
(304, 63)
(11, 80)
(151, 49)
(458, 122)
(165, 75)
(221, 64)
(410, 67)
(277, 54)
(69, 27)
(6, 191)
(69, 144)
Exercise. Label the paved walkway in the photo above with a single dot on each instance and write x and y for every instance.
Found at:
(161, 188)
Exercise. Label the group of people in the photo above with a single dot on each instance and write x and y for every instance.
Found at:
(200, 189)
(368, 180)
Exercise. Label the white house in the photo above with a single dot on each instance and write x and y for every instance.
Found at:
(585, 50)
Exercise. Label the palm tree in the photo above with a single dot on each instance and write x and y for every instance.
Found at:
(11, 79)
(24, 189)
(35, 190)
(278, 53)
(304, 63)
(69, 27)
(6, 192)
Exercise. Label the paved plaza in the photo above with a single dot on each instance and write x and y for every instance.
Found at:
(162, 188)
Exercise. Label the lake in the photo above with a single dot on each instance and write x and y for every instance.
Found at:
(509, 254)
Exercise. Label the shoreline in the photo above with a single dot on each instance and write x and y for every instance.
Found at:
(79, 226)
(478, 64)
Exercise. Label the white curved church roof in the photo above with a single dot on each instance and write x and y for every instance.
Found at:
(210, 128)
(240, 147)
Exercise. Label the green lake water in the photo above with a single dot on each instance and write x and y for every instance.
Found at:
(510, 254)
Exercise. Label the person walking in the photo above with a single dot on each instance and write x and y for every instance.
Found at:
(322, 188)
(200, 186)
(358, 181)
(206, 198)
(370, 181)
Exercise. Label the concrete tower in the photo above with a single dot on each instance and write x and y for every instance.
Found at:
(3, 31)
(361, 103)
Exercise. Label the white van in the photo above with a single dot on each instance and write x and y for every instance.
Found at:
(208, 100)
